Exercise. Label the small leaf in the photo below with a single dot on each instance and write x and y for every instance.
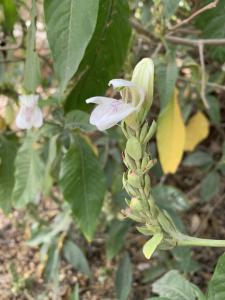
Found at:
(214, 109)
(29, 171)
(216, 287)
(198, 159)
(76, 258)
(52, 266)
(32, 65)
(151, 245)
(70, 37)
(175, 287)
(133, 148)
(124, 278)
(83, 185)
(7, 159)
(10, 13)
(210, 186)
(170, 136)
(75, 295)
(77, 119)
(197, 130)
(169, 7)
(116, 236)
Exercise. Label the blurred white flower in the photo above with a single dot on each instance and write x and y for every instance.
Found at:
(30, 115)
(110, 111)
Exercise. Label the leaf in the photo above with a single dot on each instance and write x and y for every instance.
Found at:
(216, 287)
(169, 7)
(76, 258)
(198, 159)
(83, 185)
(214, 109)
(52, 266)
(10, 13)
(116, 236)
(70, 26)
(32, 65)
(169, 197)
(77, 119)
(197, 130)
(151, 245)
(124, 278)
(105, 54)
(7, 159)
(166, 76)
(210, 22)
(29, 171)
(174, 286)
(210, 186)
(170, 136)
(75, 295)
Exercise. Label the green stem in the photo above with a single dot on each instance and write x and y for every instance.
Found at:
(185, 240)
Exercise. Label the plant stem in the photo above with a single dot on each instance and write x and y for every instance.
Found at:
(185, 240)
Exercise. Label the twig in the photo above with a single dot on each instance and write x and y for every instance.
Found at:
(195, 14)
(193, 42)
(210, 84)
(203, 80)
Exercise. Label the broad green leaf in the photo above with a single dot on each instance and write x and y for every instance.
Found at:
(76, 258)
(174, 286)
(197, 130)
(77, 119)
(170, 136)
(52, 266)
(9, 7)
(105, 54)
(214, 109)
(151, 245)
(32, 64)
(166, 76)
(29, 171)
(7, 158)
(116, 236)
(70, 26)
(198, 159)
(83, 185)
(124, 278)
(216, 287)
(211, 23)
(210, 186)
(169, 197)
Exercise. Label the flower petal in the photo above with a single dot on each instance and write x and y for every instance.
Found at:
(37, 118)
(29, 100)
(21, 121)
(107, 115)
(100, 100)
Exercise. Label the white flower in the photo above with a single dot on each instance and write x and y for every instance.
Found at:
(30, 115)
(110, 111)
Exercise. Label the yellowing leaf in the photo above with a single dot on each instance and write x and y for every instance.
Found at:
(196, 131)
(170, 136)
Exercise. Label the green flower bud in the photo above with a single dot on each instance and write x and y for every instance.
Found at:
(129, 162)
(151, 132)
(133, 148)
(143, 76)
(133, 179)
(144, 131)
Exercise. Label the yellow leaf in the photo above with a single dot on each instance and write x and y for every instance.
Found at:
(171, 136)
(196, 131)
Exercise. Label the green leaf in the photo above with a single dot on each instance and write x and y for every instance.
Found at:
(166, 76)
(169, 197)
(7, 158)
(169, 7)
(198, 159)
(32, 65)
(214, 109)
(70, 26)
(75, 295)
(210, 186)
(52, 266)
(211, 23)
(159, 298)
(151, 245)
(116, 236)
(83, 185)
(105, 54)
(76, 258)
(10, 13)
(174, 286)
(29, 171)
(124, 278)
(216, 287)
(77, 119)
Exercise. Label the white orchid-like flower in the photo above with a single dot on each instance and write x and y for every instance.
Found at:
(110, 111)
(30, 115)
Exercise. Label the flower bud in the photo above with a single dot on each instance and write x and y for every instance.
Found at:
(133, 179)
(143, 76)
(133, 148)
